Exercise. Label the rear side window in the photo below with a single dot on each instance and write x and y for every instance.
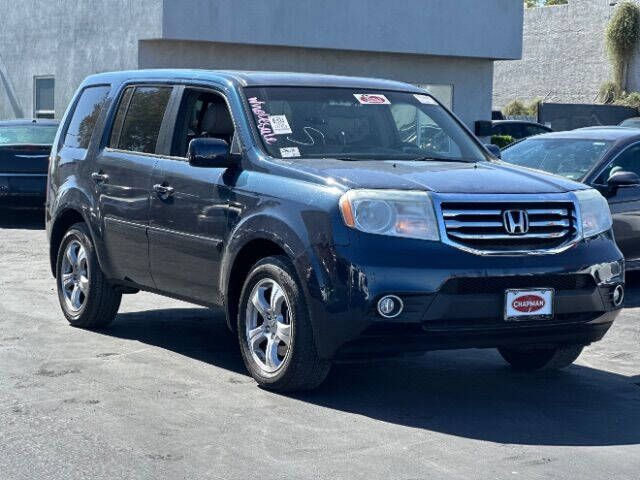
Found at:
(91, 102)
(137, 124)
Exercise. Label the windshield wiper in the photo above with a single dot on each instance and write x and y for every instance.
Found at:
(439, 159)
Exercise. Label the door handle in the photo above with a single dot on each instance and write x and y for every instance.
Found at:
(163, 191)
(99, 177)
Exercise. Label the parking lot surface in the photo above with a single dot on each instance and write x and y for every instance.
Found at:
(163, 393)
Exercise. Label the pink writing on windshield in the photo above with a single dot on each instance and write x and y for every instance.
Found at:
(264, 124)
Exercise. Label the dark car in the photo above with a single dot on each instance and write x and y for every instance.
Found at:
(518, 128)
(25, 146)
(332, 218)
(605, 158)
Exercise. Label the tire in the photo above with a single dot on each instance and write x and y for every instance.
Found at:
(530, 360)
(87, 299)
(275, 364)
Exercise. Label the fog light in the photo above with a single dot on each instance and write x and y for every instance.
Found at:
(618, 295)
(390, 306)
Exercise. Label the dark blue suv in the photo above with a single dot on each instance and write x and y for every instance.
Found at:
(331, 218)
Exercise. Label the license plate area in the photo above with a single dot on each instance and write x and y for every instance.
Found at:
(532, 304)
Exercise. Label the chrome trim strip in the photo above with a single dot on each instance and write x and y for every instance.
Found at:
(506, 236)
(457, 224)
(457, 213)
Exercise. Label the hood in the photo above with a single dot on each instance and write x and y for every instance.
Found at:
(440, 177)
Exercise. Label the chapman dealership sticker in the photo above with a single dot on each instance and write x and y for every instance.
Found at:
(426, 99)
(280, 124)
(289, 152)
(372, 99)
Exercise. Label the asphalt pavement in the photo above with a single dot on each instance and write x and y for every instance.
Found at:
(163, 394)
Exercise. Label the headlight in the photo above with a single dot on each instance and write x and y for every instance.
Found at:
(390, 212)
(594, 212)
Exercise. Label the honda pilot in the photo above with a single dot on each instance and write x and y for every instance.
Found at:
(331, 218)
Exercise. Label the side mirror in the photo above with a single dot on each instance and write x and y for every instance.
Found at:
(493, 150)
(623, 178)
(209, 153)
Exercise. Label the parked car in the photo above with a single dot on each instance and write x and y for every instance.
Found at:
(25, 146)
(633, 122)
(605, 158)
(313, 212)
(518, 128)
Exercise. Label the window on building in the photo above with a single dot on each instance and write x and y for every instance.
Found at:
(139, 118)
(443, 93)
(85, 116)
(44, 97)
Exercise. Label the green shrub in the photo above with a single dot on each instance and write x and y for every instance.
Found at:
(502, 140)
(629, 100)
(609, 92)
(515, 108)
(622, 35)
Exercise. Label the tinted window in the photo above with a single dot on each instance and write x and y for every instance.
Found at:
(571, 158)
(141, 126)
(512, 129)
(27, 134)
(627, 161)
(85, 116)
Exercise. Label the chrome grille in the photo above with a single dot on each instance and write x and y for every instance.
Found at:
(483, 226)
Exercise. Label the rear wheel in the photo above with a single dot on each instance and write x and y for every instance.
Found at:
(531, 359)
(87, 299)
(274, 329)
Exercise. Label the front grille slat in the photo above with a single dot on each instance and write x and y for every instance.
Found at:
(481, 225)
(503, 236)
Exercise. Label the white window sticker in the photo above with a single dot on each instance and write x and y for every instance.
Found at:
(280, 124)
(290, 152)
(372, 99)
(426, 99)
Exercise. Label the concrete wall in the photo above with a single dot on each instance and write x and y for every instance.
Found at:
(69, 39)
(564, 56)
(468, 28)
(471, 78)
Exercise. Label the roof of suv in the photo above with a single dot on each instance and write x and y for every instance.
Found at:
(245, 78)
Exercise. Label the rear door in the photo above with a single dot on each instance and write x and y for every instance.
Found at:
(624, 202)
(189, 204)
(122, 177)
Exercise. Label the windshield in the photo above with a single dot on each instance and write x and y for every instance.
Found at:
(357, 124)
(631, 123)
(27, 134)
(562, 156)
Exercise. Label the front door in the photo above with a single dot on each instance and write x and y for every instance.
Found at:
(189, 205)
(624, 202)
(122, 177)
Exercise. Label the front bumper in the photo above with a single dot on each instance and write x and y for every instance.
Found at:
(454, 299)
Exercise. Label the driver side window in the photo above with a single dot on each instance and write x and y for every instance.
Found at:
(203, 114)
(627, 161)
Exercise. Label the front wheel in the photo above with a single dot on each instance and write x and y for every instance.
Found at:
(274, 329)
(531, 359)
(87, 299)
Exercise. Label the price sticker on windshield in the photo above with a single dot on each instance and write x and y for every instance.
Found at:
(280, 124)
(372, 99)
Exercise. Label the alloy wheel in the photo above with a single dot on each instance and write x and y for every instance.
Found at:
(268, 325)
(74, 278)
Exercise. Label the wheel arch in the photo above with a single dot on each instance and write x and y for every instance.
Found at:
(63, 221)
(255, 239)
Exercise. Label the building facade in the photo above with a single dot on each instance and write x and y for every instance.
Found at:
(48, 46)
(564, 56)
